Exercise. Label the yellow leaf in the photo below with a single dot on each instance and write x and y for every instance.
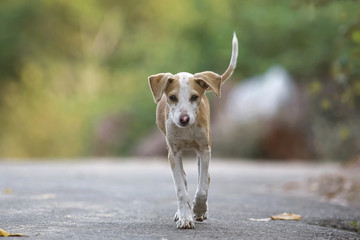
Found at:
(3, 233)
(8, 191)
(286, 216)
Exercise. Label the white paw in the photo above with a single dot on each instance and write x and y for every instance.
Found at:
(184, 222)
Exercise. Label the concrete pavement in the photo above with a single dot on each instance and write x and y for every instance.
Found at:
(135, 199)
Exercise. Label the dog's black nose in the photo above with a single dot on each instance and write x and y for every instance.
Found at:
(184, 120)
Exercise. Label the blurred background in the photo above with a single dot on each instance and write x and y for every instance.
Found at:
(73, 76)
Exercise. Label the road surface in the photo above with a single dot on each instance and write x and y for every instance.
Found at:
(135, 199)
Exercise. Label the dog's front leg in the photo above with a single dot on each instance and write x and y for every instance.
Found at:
(200, 200)
(183, 216)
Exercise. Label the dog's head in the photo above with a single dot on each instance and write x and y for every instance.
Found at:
(184, 93)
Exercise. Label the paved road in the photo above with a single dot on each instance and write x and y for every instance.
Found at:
(133, 199)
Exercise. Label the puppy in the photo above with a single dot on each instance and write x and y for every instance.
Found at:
(183, 116)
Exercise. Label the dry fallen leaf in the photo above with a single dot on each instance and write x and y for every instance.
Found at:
(3, 233)
(286, 216)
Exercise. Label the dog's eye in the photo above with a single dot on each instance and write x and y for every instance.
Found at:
(173, 98)
(194, 98)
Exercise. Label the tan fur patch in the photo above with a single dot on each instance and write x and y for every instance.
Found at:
(213, 80)
(203, 116)
(196, 87)
(158, 83)
(162, 112)
(173, 87)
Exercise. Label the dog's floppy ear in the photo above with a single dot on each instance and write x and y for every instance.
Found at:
(209, 80)
(158, 84)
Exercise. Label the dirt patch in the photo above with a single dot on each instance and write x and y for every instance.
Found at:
(348, 225)
(338, 188)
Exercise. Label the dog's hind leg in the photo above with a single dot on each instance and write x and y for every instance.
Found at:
(200, 200)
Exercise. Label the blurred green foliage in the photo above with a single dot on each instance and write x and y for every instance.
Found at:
(67, 65)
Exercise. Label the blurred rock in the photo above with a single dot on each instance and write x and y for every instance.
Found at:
(110, 134)
(151, 145)
(263, 117)
(262, 97)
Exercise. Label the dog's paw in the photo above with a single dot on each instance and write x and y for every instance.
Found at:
(200, 217)
(200, 210)
(185, 224)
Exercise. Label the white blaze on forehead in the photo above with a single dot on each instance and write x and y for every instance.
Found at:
(184, 77)
(184, 92)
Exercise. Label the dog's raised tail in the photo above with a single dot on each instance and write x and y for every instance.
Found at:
(229, 71)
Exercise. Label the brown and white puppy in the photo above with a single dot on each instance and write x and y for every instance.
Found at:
(183, 115)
